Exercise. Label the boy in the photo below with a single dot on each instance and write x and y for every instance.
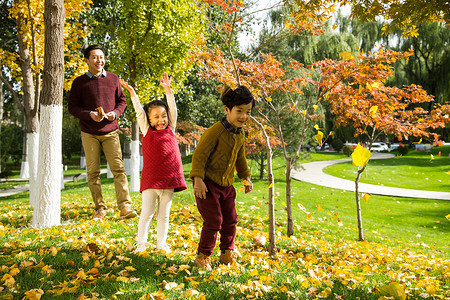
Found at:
(220, 151)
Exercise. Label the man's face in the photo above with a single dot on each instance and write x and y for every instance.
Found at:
(238, 115)
(96, 61)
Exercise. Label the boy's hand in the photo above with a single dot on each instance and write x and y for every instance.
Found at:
(248, 184)
(200, 188)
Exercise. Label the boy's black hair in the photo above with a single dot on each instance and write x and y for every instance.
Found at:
(87, 51)
(240, 95)
(155, 103)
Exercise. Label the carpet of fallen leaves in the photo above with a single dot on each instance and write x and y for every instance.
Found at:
(86, 259)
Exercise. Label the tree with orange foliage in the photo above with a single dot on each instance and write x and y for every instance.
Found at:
(228, 70)
(263, 79)
(188, 133)
(355, 89)
(404, 15)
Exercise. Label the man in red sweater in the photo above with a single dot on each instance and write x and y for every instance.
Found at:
(97, 100)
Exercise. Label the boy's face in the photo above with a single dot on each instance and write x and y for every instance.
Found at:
(158, 118)
(238, 115)
(96, 61)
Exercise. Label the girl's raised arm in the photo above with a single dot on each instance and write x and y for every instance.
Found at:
(173, 113)
(140, 113)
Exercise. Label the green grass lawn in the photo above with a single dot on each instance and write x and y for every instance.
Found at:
(407, 241)
(417, 170)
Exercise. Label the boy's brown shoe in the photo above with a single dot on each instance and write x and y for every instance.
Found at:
(127, 213)
(227, 257)
(203, 261)
(99, 214)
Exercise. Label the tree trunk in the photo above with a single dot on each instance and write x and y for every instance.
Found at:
(47, 211)
(270, 182)
(33, 157)
(290, 223)
(358, 206)
(135, 158)
(126, 154)
(30, 91)
(261, 165)
(1, 120)
(24, 167)
(82, 158)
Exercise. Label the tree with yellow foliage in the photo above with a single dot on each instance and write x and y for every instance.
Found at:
(24, 68)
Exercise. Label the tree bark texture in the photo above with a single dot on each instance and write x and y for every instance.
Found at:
(290, 222)
(358, 205)
(271, 198)
(47, 211)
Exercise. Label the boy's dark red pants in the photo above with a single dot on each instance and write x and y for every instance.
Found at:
(219, 215)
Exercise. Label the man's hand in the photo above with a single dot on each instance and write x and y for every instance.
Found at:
(96, 116)
(200, 188)
(110, 116)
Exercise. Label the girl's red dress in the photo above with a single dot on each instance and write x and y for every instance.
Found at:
(162, 161)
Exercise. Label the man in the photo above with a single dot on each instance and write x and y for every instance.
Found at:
(97, 99)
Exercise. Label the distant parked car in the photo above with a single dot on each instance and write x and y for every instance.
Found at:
(424, 147)
(386, 146)
(351, 145)
(377, 147)
(394, 146)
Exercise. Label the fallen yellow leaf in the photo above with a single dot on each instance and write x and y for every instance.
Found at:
(365, 196)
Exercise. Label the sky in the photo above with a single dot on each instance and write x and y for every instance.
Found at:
(263, 6)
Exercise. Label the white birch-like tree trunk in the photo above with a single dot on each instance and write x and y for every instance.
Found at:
(24, 166)
(109, 174)
(134, 166)
(47, 210)
(33, 155)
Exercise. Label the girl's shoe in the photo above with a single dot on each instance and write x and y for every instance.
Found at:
(140, 247)
(202, 261)
(163, 247)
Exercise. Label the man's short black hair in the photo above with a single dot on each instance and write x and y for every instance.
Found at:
(240, 95)
(87, 51)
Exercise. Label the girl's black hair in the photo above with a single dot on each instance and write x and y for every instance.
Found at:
(155, 103)
(240, 95)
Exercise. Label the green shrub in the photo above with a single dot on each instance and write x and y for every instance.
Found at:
(11, 147)
(337, 145)
(347, 150)
(71, 138)
(403, 149)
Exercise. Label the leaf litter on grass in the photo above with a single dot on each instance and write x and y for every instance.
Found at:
(306, 265)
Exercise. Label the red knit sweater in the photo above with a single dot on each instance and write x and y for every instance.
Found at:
(87, 94)
(162, 161)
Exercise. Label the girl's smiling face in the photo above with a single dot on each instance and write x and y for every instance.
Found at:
(238, 115)
(158, 118)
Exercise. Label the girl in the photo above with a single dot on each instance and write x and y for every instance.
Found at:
(162, 173)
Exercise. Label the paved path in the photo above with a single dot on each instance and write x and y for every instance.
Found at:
(25, 187)
(313, 173)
